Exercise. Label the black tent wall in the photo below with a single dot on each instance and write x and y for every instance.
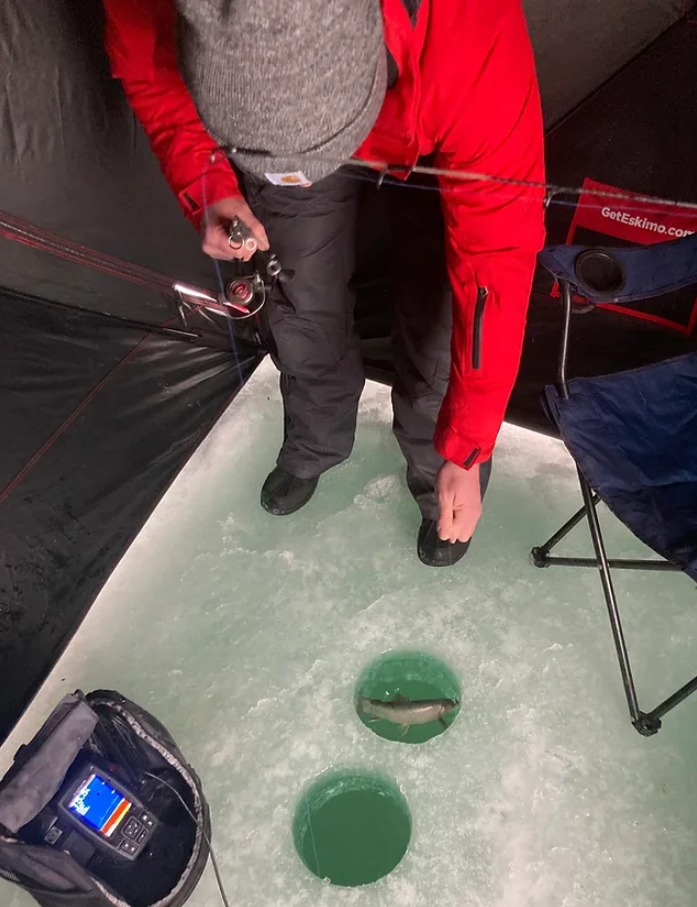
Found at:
(98, 418)
(99, 414)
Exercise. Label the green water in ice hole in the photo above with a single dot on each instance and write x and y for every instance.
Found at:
(352, 827)
(415, 675)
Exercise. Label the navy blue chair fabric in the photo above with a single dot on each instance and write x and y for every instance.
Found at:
(633, 435)
(634, 438)
(647, 271)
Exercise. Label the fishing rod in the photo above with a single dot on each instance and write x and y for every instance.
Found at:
(243, 296)
(547, 191)
(240, 298)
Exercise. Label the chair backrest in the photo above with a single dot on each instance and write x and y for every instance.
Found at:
(633, 435)
(620, 275)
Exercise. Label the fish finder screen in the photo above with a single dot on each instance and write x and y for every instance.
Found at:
(99, 805)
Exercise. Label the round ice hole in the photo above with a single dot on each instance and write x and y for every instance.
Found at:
(407, 696)
(352, 827)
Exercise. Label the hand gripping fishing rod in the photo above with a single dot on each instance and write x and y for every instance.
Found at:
(242, 297)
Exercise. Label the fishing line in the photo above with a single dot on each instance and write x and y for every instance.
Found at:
(200, 827)
(312, 836)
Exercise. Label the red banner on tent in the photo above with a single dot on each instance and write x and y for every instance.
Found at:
(633, 221)
(636, 221)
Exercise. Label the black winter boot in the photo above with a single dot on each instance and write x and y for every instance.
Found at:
(283, 493)
(432, 550)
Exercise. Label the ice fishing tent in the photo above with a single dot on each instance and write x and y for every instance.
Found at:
(104, 396)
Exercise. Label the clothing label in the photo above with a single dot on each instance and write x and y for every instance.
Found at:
(295, 178)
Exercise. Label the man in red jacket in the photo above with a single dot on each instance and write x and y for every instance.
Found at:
(292, 89)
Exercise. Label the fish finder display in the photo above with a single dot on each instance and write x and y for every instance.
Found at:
(99, 805)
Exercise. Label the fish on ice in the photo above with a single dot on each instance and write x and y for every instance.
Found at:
(407, 712)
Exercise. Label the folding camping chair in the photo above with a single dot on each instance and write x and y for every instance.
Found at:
(633, 435)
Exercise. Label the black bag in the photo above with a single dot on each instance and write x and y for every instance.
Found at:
(105, 724)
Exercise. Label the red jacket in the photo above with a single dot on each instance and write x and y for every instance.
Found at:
(467, 91)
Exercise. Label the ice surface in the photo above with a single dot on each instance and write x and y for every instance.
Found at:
(245, 635)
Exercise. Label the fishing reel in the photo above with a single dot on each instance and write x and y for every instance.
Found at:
(242, 296)
(245, 294)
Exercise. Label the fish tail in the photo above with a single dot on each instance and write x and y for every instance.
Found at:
(361, 703)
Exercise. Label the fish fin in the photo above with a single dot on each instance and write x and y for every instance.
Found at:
(401, 699)
(373, 720)
(405, 730)
(443, 723)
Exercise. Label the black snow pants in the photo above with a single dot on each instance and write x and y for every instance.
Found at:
(311, 321)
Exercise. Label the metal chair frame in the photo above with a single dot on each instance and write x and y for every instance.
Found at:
(646, 723)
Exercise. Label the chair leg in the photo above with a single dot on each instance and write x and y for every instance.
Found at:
(650, 724)
(540, 555)
(645, 724)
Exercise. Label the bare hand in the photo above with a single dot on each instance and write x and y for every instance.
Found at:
(460, 502)
(216, 224)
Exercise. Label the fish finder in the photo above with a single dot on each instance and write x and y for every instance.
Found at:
(94, 808)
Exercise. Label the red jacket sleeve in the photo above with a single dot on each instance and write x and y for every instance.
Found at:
(140, 43)
(493, 231)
